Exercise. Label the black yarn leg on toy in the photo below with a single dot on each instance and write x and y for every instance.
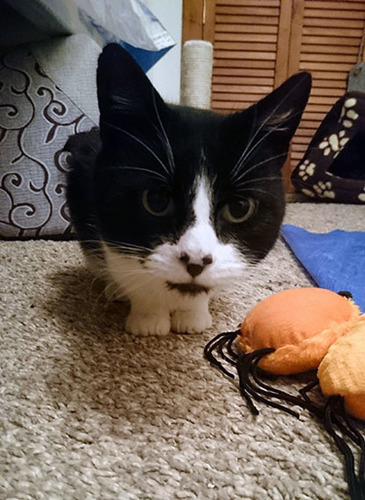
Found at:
(230, 349)
(217, 343)
(303, 392)
(353, 483)
(224, 344)
(250, 376)
(351, 425)
(307, 404)
(244, 369)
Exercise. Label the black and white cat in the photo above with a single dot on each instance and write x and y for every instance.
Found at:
(172, 203)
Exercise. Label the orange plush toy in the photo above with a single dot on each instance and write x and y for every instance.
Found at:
(301, 330)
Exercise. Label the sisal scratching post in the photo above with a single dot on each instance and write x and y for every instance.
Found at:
(196, 73)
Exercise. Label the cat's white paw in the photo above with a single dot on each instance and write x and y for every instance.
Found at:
(191, 321)
(148, 324)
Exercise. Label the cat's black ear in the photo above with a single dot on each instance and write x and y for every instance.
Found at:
(285, 105)
(124, 91)
(267, 127)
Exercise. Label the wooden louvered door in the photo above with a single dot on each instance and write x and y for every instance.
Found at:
(246, 43)
(326, 37)
(260, 43)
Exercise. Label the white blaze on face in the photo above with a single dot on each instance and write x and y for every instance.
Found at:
(200, 239)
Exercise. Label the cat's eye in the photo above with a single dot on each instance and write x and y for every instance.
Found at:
(237, 211)
(157, 202)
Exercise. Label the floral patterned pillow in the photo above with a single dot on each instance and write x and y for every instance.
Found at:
(36, 118)
(333, 168)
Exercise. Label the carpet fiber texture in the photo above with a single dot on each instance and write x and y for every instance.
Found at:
(90, 412)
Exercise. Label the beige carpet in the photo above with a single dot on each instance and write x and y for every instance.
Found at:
(90, 412)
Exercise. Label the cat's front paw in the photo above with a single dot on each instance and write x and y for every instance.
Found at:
(148, 324)
(191, 321)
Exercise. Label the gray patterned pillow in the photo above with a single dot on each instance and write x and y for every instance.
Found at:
(36, 117)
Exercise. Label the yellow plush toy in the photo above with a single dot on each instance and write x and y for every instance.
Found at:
(300, 330)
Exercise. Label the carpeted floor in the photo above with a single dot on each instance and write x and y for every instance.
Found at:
(90, 412)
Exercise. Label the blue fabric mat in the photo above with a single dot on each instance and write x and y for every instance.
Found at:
(335, 260)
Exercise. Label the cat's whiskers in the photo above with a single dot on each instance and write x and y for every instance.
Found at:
(253, 185)
(142, 284)
(141, 169)
(102, 297)
(265, 192)
(164, 139)
(129, 254)
(257, 181)
(264, 123)
(244, 157)
(100, 275)
(122, 244)
(244, 173)
(117, 289)
(143, 144)
(131, 247)
(128, 250)
(166, 143)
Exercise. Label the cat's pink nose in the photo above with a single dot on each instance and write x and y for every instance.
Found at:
(194, 268)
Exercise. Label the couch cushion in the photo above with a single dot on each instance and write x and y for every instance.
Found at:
(36, 118)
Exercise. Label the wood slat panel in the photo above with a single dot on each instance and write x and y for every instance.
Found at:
(249, 28)
(246, 47)
(339, 5)
(313, 117)
(230, 106)
(243, 72)
(248, 89)
(301, 139)
(229, 80)
(235, 98)
(296, 158)
(330, 14)
(251, 3)
(324, 66)
(306, 124)
(242, 20)
(329, 75)
(244, 10)
(237, 63)
(330, 31)
(305, 131)
(334, 23)
(245, 37)
(318, 108)
(328, 49)
(299, 148)
(332, 83)
(330, 41)
(329, 58)
(320, 100)
(243, 55)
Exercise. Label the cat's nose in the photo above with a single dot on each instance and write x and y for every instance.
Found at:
(194, 268)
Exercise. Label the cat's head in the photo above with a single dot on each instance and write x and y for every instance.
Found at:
(196, 194)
